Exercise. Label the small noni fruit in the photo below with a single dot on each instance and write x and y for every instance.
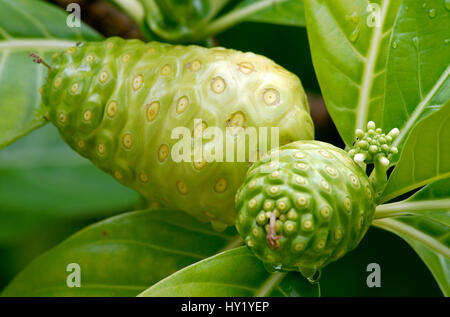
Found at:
(304, 206)
(118, 102)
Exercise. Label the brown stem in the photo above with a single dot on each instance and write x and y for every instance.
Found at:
(271, 235)
(37, 59)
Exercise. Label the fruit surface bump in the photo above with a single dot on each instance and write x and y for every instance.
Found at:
(117, 102)
(304, 206)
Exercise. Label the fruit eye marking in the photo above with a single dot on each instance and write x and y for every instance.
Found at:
(218, 85)
(338, 234)
(300, 180)
(112, 108)
(325, 186)
(331, 171)
(302, 201)
(252, 184)
(301, 166)
(126, 58)
(347, 204)
(182, 188)
(153, 110)
(163, 152)
(271, 96)
(292, 215)
(138, 81)
(299, 155)
(325, 212)
(62, 117)
(289, 226)
(246, 67)
(320, 244)
(166, 70)
(195, 65)
(307, 225)
(275, 174)
(250, 243)
(182, 104)
(143, 177)
(360, 222)
(74, 88)
(325, 154)
(354, 180)
(89, 58)
(103, 77)
(81, 144)
(261, 218)
(200, 165)
(87, 115)
(198, 129)
(127, 141)
(221, 185)
(101, 148)
(252, 203)
(268, 205)
(257, 232)
(109, 45)
(57, 82)
(118, 175)
(369, 192)
(274, 190)
(299, 246)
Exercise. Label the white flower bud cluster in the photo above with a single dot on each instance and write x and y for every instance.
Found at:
(373, 146)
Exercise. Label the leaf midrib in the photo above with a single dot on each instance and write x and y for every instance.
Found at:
(368, 75)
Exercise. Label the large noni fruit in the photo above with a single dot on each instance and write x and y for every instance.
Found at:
(304, 206)
(117, 103)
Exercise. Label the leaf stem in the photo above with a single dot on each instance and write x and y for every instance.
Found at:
(409, 232)
(270, 284)
(236, 16)
(403, 208)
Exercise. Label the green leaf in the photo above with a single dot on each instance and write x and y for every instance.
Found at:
(428, 230)
(123, 255)
(284, 12)
(418, 69)
(29, 26)
(349, 55)
(429, 237)
(232, 273)
(425, 156)
(44, 182)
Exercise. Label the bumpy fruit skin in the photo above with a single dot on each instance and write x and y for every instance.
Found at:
(116, 102)
(322, 202)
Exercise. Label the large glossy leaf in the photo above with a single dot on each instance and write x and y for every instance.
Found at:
(425, 157)
(418, 68)
(429, 236)
(349, 54)
(43, 182)
(285, 12)
(123, 255)
(28, 26)
(232, 273)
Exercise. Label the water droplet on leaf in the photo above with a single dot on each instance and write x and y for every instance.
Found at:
(432, 13)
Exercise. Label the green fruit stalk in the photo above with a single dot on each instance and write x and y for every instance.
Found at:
(117, 102)
(304, 206)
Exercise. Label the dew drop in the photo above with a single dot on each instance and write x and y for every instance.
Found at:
(424, 5)
(446, 41)
(432, 13)
(394, 44)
